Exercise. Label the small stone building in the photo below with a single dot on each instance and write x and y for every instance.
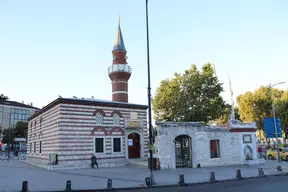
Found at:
(75, 129)
(188, 144)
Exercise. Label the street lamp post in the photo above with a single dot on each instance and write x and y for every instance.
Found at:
(274, 117)
(152, 182)
(9, 135)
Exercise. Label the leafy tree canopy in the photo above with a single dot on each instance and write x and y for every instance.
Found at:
(258, 105)
(3, 97)
(281, 109)
(21, 129)
(8, 135)
(191, 96)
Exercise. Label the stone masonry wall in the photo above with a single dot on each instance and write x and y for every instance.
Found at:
(231, 144)
(229, 147)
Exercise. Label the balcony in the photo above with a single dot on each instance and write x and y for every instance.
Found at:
(119, 68)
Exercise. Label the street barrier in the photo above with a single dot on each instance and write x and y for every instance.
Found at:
(24, 186)
(238, 174)
(181, 181)
(109, 184)
(212, 177)
(68, 186)
(260, 172)
(147, 181)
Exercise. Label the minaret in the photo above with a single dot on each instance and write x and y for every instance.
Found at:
(214, 68)
(119, 72)
(232, 117)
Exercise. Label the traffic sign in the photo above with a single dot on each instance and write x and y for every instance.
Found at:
(269, 127)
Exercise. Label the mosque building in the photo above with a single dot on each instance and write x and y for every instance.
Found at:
(68, 131)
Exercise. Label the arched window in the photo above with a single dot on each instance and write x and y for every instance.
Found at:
(116, 119)
(99, 118)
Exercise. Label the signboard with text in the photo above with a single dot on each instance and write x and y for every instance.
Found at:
(133, 123)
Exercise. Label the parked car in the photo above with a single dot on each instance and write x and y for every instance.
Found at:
(272, 153)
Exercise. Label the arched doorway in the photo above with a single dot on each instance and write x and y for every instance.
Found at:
(183, 151)
(134, 145)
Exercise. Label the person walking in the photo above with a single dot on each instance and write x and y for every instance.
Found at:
(94, 161)
(260, 151)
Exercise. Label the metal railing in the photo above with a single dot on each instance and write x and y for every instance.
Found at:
(119, 68)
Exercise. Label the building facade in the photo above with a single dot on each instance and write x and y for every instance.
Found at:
(12, 112)
(67, 132)
(75, 129)
(192, 144)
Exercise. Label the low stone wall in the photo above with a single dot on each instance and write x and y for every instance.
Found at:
(37, 160)
(77, 164)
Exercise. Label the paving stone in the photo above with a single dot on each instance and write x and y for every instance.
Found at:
(40, 179)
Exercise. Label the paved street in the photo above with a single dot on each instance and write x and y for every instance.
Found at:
(12, 173)
(269, 184)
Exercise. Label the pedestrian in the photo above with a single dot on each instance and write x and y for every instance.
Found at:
(260, 151)
(94, 161)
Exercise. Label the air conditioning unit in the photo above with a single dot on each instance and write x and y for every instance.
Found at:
(53, 159)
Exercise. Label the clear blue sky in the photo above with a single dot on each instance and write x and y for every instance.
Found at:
(64, 47)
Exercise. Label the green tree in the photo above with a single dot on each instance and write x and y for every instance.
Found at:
(191, 96)
(21, 129)
(3, 97)
(258, 105)
(281, 109)
(8, 135)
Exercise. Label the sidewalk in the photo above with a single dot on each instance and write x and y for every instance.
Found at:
(13, 173)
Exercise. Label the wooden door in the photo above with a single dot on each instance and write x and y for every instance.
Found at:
(134, 147)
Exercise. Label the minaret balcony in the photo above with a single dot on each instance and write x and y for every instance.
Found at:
(119, 68)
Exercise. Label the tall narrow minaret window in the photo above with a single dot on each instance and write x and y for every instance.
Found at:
(119, 72)
(232, 117)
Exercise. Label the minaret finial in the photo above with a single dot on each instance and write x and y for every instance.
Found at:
(119, 19)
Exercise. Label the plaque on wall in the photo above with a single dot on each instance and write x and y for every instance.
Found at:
(247, 138)
(133, 123)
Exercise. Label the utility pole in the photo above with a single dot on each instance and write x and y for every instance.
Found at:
(152, 182)
(274, 117)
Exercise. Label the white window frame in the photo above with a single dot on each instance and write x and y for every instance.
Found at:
(104, 144)
(121, 143)
(96, 117)
(118, 117)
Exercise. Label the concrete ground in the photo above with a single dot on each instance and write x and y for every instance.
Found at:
(260, 184)
(13, 173)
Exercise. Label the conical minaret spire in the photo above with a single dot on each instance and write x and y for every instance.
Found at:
(119, 42)
(232, 117)
(119, 72)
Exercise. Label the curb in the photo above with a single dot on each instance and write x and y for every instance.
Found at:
(175, 185)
